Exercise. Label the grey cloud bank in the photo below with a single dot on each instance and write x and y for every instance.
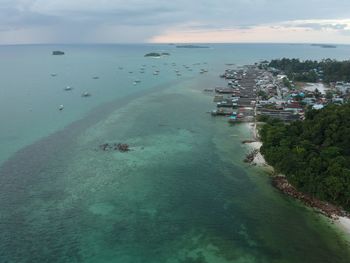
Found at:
(84, 21)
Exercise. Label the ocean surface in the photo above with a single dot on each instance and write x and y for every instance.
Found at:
(181, 195)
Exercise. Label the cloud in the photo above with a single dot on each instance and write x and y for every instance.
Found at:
(319, 24)
(341, 26)
(298, 31)
(146, 20)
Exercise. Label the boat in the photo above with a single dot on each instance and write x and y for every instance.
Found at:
(226, 104)
(218, 98)
(224, 90)
(221, 112)
(86, 94)
(53, 74)
(209, 90)
(233, 117)
(96, 77)
(68, 88)
(61, 107)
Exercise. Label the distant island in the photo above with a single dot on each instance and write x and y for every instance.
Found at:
(57, 53)
(157, 55)
(324, 45)
(191, 46)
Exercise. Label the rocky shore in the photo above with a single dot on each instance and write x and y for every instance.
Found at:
(325, 208)
(338, 215)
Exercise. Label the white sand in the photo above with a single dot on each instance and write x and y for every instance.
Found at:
(344, 224)
(259, 159)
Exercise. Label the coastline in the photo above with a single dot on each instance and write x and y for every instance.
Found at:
(254, 145)
(337, 219)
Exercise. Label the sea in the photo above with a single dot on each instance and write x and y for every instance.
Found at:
(182, 194)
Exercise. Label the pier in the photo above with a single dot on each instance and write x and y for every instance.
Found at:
(251, 92)
(239, 96)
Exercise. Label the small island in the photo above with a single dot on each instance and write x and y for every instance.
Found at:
(191, 46)
(57, 53)
(324, 45)
(157, 55)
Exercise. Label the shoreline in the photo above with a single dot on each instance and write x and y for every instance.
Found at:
(335, 215)
(254, 146)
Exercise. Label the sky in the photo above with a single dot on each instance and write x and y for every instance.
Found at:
(174, 21)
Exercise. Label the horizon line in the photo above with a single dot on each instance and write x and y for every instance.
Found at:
(178, 43)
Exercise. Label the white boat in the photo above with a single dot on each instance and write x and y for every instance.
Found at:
(61, 107)
(68, 88)
(86, 94)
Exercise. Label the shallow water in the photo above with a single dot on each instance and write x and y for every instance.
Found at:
(182, 194)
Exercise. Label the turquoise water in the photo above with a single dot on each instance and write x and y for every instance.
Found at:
(182, 194)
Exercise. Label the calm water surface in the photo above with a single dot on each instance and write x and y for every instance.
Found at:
(182, 194)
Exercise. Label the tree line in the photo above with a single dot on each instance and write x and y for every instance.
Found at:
(314, 154)
(327, 70)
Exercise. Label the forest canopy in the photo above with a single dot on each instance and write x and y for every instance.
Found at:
(314, 154)
(327, 70)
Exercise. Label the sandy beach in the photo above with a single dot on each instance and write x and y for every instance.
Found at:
(259, 159)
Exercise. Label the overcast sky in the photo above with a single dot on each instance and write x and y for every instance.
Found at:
(134, 21)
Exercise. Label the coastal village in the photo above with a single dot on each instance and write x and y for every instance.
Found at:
(257, 91)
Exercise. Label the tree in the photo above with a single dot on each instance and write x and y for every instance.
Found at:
(314, 154)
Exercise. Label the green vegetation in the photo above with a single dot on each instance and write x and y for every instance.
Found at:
(157, 55)
(287, 83)
(152, 54)
(311, 71)
(57, 53)
(313, 154)
(263, 95)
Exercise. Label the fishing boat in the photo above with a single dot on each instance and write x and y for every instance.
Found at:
(86, 94)
(221, 112)
(226, 104)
